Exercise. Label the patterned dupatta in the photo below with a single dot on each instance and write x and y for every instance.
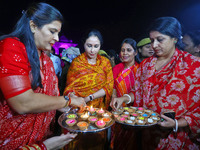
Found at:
(125, 79)
(85, 79)
(17, 130)
(176, 87)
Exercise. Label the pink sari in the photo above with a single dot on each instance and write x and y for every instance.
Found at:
(124, 79)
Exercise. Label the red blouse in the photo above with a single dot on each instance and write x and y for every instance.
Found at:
(15, 78)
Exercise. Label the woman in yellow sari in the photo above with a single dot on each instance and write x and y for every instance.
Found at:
(90, 76)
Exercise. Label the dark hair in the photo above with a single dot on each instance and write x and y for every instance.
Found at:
(169, 26)
(93, 32)
(195, 36)
(40, 14)
(133, 43)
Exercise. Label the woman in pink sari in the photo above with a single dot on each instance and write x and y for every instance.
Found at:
(168, 81)
(29, 93)
(124, 78)
(124, 72)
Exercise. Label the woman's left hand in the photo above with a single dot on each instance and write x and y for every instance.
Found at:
(168, 122)
(58, 142)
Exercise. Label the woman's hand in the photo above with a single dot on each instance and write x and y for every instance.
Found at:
(57, 142)
(116, 103)
(78, 102)
(168, 122)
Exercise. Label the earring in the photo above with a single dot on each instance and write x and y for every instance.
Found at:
(175, 42)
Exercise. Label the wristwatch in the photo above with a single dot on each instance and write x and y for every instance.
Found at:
(91, 97)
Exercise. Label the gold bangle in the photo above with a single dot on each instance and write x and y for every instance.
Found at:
(36, 146)
(27, 147)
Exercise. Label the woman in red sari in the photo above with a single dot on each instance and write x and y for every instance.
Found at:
(29, 93)
(168, 81)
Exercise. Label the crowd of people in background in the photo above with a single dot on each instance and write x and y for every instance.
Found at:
(160, 71)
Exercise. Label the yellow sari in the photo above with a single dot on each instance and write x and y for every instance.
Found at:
(85, 79)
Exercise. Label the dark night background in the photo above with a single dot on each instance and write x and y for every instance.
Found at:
(116, 19)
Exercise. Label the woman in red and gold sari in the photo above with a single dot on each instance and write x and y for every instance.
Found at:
(168, 81)
(90, 76)
(29, 93)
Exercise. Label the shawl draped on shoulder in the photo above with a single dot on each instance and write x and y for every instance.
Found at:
(85, 79)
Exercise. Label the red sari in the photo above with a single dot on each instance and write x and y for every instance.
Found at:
(15, 74)
(176, 87)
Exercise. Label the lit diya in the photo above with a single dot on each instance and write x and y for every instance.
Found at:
(100, 124)
(82, 125)
(100, 112)
(91, 109)
(92, 119)
(84, 116)
(70, 122)
(107, 120)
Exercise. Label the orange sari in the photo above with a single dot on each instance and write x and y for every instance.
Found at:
(85, 79)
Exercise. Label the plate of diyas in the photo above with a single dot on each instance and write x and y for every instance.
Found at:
(90, 120)
(136, 116)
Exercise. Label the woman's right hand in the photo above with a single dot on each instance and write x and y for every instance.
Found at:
(58, 142)
(78, 102)
(116, 102)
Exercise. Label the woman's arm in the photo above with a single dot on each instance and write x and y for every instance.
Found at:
(117, 102)
(30, 102)
(171, 123)
(114, 94)
(98, 94)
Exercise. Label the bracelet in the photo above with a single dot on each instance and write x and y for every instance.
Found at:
(36, 146)
(176, 126)
(68, 101)
(128, 97)
(42, 146)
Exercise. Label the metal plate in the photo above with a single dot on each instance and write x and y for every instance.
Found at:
(91, 127)
(136, 125)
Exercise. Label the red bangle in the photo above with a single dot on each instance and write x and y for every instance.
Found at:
(69, 101)
(42, 146)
